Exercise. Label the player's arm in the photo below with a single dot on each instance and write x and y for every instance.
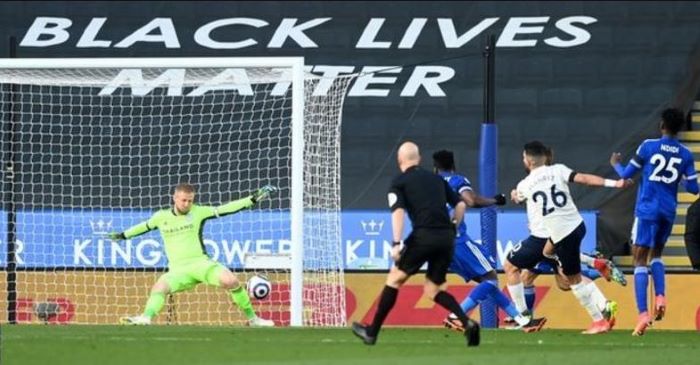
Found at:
(136, 230)
(595, 180)
(241, 204)
(456, 202)
(474, 200)
(635, 164)
(397, 204)
(518, 195)
(690, 181)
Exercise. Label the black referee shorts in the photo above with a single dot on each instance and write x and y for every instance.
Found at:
(569, 250)
(434, 246)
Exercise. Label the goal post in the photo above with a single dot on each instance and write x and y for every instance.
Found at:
(105, 140)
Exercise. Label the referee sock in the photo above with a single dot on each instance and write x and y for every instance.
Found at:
(447, 301)
(240, 297)
(154, 304)
(658, 273)
(386, 302)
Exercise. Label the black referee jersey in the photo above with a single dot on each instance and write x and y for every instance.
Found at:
(424, 196)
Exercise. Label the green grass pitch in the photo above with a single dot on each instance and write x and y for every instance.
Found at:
(174, 345)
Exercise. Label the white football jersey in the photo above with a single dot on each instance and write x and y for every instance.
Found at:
(549, 202)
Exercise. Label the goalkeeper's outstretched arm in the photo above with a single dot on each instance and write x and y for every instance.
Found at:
(133, 231)
(245, 203)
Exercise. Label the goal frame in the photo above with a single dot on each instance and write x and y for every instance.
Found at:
(296, 64)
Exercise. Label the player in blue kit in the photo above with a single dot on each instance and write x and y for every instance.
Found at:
(471, 260)
(665, 163)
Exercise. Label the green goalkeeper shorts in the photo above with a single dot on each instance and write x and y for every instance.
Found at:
(187, 276)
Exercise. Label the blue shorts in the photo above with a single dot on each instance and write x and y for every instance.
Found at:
(544, 267)
(471, 260)
(651, 233)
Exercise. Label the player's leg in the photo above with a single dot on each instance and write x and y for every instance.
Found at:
(410, 261)
(523, 320)
(528, 277)
(643, 234)
(218, 275)
(171, 282)
(470, 262)
(608, 308)
(436, 276)
(596, 266)
(658, 271)
(568, 253)
(524, 255)
(387, 299)
(515, 285)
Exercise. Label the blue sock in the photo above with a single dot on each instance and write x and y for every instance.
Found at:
(641, 282)
(590, 273)
(658, 272)
(530, 298)
(481, 292)
(504, 302)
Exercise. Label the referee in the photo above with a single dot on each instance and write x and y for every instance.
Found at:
(424, 196)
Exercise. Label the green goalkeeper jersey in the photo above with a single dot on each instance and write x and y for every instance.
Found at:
(182, 234)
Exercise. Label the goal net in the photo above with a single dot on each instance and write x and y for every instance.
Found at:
(94, 146)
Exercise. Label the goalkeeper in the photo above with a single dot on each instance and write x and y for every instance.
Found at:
(181, 229)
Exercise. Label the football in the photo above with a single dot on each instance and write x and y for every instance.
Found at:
(259, 287)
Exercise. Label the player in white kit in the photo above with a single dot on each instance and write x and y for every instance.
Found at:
(549, 205)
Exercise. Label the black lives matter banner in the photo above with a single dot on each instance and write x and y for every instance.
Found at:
(48, 32)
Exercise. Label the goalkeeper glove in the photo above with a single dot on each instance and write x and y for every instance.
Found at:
(116, 236)
(263, 193)
(500, 199)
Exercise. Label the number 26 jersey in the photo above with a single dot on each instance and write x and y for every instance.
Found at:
(549, 202)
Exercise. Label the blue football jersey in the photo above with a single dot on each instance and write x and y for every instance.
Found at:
(459, 184)
(664, 163)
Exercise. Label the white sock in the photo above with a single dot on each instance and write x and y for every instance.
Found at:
(521, 320)
(517, 294)
(587, 260)
(597, 296)
(583, 293)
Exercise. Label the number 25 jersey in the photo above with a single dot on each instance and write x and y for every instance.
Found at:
(549, 202)
(664, 162)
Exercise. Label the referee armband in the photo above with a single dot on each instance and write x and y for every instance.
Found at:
(395, 200)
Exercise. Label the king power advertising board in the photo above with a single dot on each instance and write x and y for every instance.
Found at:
(61, 239)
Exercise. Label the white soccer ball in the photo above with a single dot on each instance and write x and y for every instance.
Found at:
(259, 287)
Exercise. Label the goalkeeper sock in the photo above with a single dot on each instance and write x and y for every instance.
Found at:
(240, 297)
(154, 304)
